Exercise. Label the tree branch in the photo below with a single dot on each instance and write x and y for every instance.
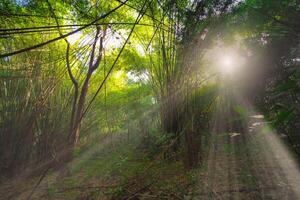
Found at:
(62, 36)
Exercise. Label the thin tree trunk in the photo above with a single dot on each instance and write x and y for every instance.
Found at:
(78, 107)
(78, 112)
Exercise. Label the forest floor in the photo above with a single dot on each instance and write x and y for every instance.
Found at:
(237, 166)
(113, 168)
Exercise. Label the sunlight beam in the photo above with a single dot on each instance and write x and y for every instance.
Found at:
(227, 64)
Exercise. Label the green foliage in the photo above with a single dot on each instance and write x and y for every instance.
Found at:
(158, 89)
(242, 111)
(204, 97)
(154, 142)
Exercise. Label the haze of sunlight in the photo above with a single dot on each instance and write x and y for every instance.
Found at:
(144, 100)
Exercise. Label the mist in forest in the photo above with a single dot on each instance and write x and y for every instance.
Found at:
(149, 99)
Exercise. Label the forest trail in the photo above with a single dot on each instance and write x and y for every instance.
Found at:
(149, 99)
(252, 165)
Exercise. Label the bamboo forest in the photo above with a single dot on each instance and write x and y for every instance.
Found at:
(149, 99)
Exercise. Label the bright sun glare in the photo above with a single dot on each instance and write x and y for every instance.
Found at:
(227, 64)
(226, 60)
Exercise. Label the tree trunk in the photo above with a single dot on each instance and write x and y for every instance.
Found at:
(79, 111)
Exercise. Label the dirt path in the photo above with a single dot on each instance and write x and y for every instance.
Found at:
(252, 165)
